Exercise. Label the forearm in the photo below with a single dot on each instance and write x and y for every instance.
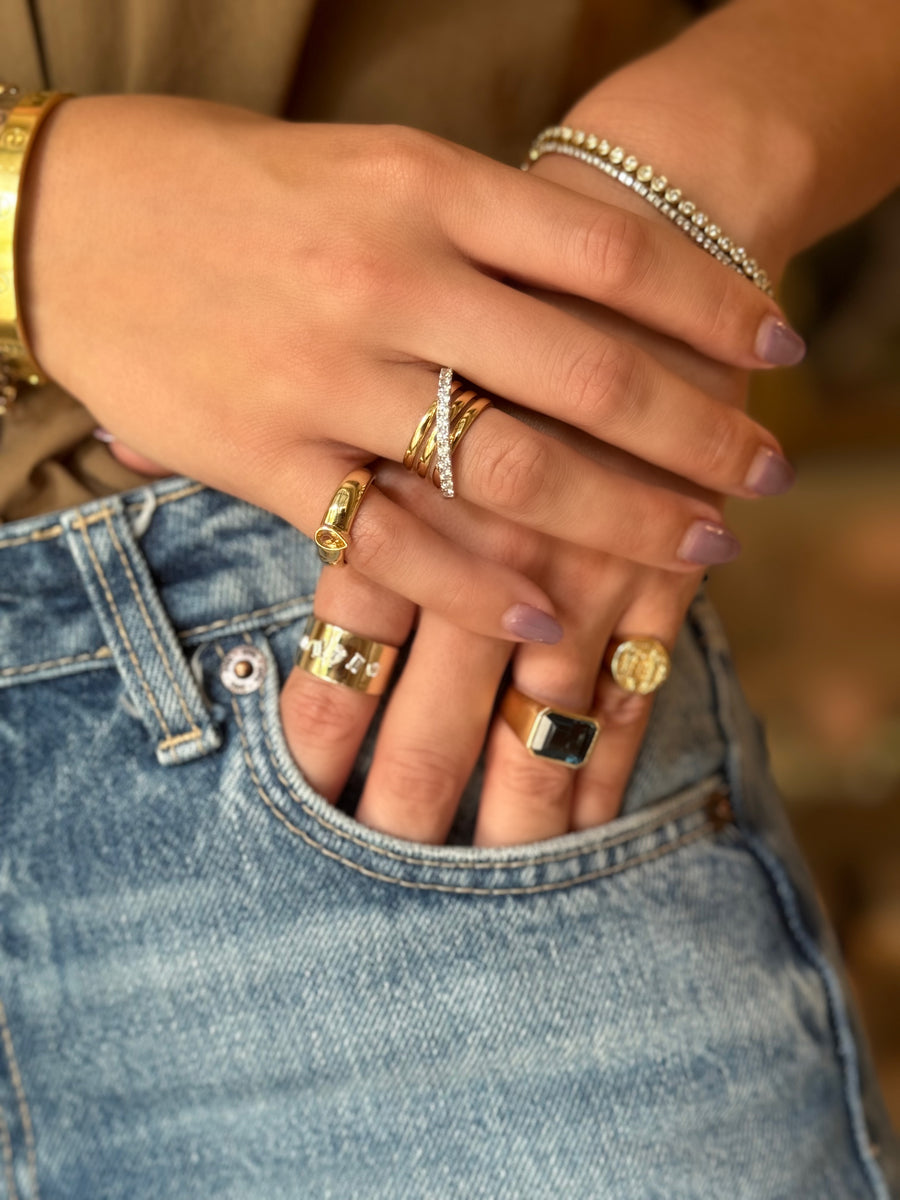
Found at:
(777, 115)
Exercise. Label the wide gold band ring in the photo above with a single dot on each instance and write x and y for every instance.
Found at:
(439, 432)
(340, 656)
(547, 732)
(638, 664)
(333, 535)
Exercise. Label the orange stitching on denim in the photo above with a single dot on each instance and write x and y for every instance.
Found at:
(182, 494)
(640, 829)
(123, 633)
(151, 628)
(54, 531)
(247, 616)
(8, 1158)
(417, 885)
(39, 535)
(24, 1111)
(103, 652)
(179, 740)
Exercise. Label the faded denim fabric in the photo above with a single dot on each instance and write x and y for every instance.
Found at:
(214, 984)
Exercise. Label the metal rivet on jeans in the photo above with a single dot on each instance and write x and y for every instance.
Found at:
(243, 669)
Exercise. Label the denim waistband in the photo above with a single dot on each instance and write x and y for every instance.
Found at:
(135, 579)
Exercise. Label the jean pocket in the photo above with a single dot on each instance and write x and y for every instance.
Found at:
(675, 819)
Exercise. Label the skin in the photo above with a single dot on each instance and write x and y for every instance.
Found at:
(410, 248)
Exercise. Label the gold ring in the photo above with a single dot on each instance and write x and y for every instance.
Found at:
(423, 454)
(639, 664)
(554, 733)
(333, 535)
(340, 656)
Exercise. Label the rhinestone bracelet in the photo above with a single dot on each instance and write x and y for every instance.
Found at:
(618, 164)
(21, 116)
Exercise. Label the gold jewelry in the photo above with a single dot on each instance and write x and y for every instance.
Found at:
(625, 168)
(462, 407)
(639, 664)
(333, 535)
(342, 657)
(555, 733)
(21, 116)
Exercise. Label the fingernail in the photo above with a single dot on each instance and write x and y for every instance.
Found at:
(776, 343)
(103, 435)
(708, 543)
(770, 473)
(532, 624)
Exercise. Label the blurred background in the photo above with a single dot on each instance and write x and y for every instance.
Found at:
(813, 604)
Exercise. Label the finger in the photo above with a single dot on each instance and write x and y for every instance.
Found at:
(398, 551)
(533, 479)
(576, 244)
(525, 797)
(324, 722)
(432, 731)
(657, 611)
(530, 352)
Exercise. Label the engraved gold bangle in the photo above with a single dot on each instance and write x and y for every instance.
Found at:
(333, 535)
(21, 116)
(340, 656)
(548, 732)
(627, 169)
(638, 664)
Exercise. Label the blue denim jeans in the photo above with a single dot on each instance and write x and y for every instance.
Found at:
(215, 984)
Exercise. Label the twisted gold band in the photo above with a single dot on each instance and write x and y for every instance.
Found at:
(423, 452)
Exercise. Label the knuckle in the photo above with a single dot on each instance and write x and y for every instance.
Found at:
(374, 544)
(323, 711)
(418, 779)
(540, 787)
(617, 245)
(721, 449)
(513, 471)
(598, 381)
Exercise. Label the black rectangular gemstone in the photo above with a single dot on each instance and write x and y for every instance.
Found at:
(565, 739)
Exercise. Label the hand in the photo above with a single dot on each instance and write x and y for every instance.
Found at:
(436, 720)
(261, 306)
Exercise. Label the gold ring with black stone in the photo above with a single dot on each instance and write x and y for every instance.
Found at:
(340, 656)
(549, 732)
(333, 535)
(638, 664)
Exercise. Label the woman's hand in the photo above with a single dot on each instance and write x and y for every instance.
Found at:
(262, 306)
(440, 712)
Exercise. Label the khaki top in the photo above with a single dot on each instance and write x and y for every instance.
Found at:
(488, 74)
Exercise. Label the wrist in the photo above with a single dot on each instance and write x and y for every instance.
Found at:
(730, 166)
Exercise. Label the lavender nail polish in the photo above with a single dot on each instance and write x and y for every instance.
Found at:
(777, 344)
(532, 624)
(770, 474)
(706, 543)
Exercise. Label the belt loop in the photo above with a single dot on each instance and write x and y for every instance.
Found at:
(139, 633)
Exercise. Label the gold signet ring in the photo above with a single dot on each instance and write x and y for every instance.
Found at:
(639, 664)
(546, 732)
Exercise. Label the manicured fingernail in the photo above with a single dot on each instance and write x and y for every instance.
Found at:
(103, 435)
(531, 624)
(708, 543)
(770, 474)
(776, 343)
